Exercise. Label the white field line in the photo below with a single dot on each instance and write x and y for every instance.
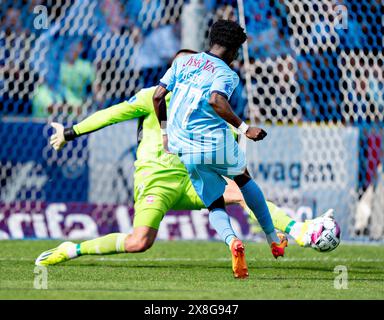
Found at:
(248, 259)
(132, 259)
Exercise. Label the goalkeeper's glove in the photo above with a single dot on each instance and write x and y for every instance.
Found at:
(61, 136)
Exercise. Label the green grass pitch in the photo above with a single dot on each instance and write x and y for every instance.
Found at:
(194, 270)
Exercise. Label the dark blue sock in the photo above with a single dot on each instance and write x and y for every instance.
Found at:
(255, 200)
(219, 220)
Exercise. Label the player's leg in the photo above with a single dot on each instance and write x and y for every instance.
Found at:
(189, 200)
(146, 224)
(299, 231)
(149, 211)
(219, 220)
(210, 187)
(111, 243)
(153, 199)
(141, 239)
(254, 198)
(281, 220)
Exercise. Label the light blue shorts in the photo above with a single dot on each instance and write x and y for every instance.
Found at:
(207, 170)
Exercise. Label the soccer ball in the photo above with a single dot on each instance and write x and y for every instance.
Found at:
(326, 235)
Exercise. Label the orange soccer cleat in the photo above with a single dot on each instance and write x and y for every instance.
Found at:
(278, 249)
(239, 265)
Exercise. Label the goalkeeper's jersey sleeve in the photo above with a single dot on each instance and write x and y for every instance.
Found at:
(138, 106)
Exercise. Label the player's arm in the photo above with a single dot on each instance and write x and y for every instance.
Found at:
(127, 110)
(220, 92)
(161, 112)
(160, 106)
(166, 85)
(222, 107)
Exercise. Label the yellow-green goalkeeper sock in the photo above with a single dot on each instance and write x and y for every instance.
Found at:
(281, 220)
(284, 222)
(111, 243)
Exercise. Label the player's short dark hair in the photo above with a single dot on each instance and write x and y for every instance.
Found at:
(188, 51)
(185, 51)
(227, 33)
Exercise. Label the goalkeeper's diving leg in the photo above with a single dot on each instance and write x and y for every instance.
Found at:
(146, 224)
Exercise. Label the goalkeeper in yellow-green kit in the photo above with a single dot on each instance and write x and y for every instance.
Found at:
(161, 183)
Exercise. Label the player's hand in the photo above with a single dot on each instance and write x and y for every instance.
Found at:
(57, 140)
(256, 134)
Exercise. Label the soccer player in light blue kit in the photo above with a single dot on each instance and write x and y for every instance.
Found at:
(196, 128)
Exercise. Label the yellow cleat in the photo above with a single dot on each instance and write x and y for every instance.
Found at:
(64, 252)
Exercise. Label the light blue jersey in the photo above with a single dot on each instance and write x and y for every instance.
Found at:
(193, 125)
(196, 132)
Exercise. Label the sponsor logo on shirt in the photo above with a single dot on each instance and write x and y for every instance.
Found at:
(209, 66)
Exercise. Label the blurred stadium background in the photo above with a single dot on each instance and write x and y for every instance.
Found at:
(311, 74)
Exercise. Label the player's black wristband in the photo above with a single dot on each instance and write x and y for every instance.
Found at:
(70, 134)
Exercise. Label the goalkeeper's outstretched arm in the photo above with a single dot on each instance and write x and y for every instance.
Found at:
(124, 111)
